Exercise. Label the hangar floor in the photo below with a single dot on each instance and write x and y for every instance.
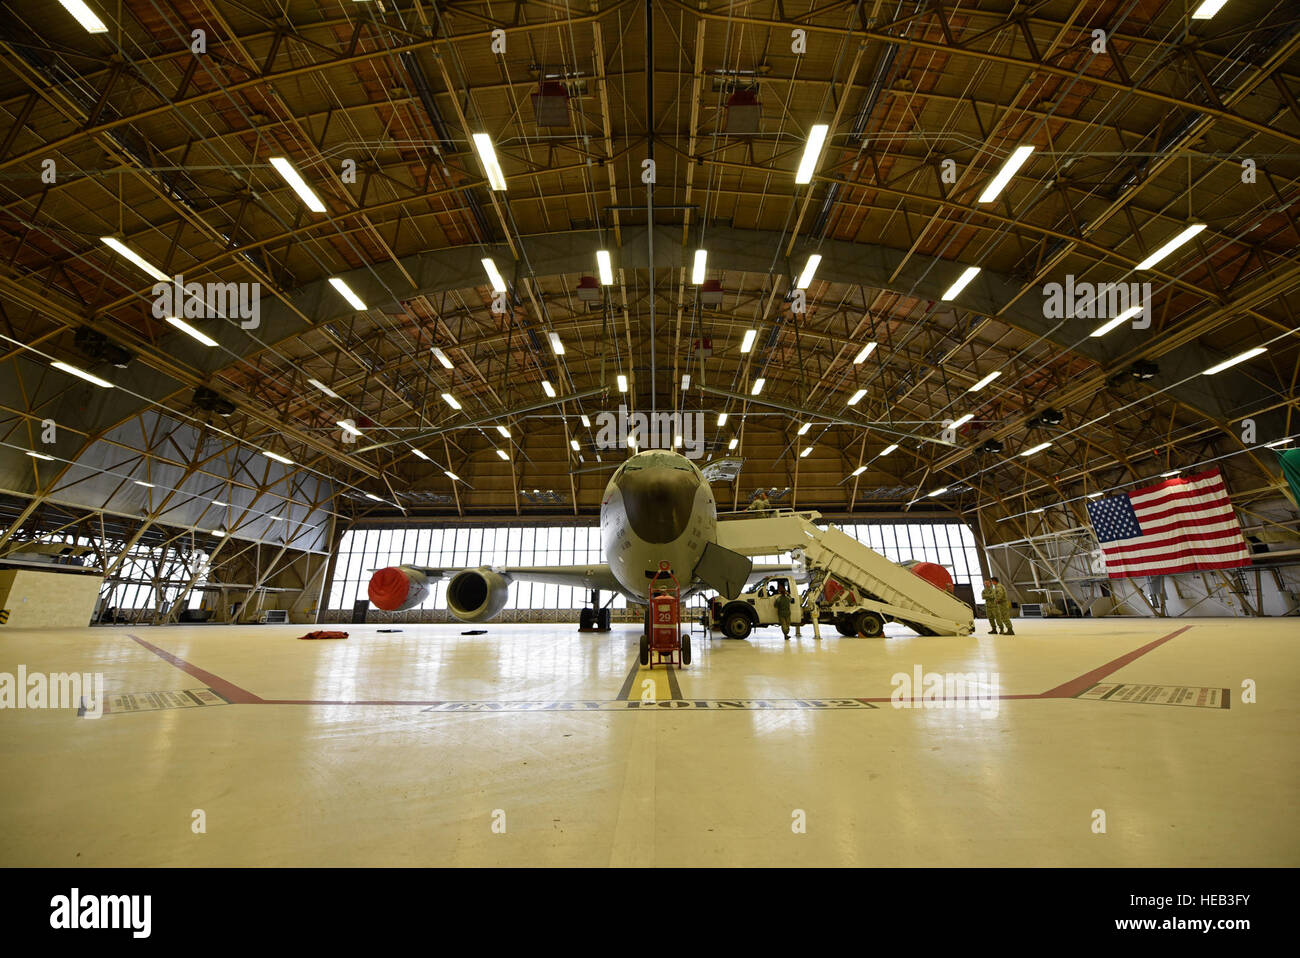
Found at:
(408, 748)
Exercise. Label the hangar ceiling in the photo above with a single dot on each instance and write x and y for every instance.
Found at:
(1142, 120)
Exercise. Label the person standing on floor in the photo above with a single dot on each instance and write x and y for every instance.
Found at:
(989, 595)
(783, 612)
(1003, 607)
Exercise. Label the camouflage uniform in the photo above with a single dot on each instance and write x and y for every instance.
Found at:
(1002, 604)
(783, 613)
(989, 595)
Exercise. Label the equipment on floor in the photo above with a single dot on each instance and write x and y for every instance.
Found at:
(324, 635)
(665, 641)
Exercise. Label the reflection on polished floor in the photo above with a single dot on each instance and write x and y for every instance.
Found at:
(540, 745)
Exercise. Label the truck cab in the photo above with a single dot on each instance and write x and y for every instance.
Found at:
(755, 607)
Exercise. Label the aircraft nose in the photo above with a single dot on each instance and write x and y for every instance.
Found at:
(658, 502)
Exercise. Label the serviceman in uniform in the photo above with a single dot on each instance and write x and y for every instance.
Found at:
(989, 595)
(783, 612)
(760, 504)
(1003, 606)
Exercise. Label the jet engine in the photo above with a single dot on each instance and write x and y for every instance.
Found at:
(398, 588)
(477, 594)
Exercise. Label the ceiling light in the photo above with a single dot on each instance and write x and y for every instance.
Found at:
(189, 330)
(1171, 472)
(747, 343)
(348, 427)
(805, 452)
(122, 249)
(1207, 9)
(451, 475)
(967, 275)
(67, 368)
(622, 383)
(439, 355)
(299, 185)
(495, 279)
(548, 388)
(221, 505)
(504, 431)
(323, 388)
(866, 351)
(734, 443)
(488, 157)
(937, 492)
(758, 386)
(1034, 512)
(858, 471)
(573, 443)
(420, 454)
(1268, 445)
(605, 267)
(722, 419)
(806, 277)
(451, 400)
(811, 151)
(40, 455)
(277, 457)
(1038, 448)
(985, 381)
(1105, 328)
(1003, 177)
(631, 441)
(888, 449)
(857, 397)
(686, 382)
(503, 454)
(1239, 358)
(676, 442)
(86, 17)
(556, 346)
(1172, 245)
(276, 518)
(345, 291)
(1095, 495)
(961, 421)
(697, 271)
(218, 533)
(371, 495)
(804, 428)
(586, 422)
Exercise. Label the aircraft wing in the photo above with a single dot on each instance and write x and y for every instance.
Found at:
(593, 576)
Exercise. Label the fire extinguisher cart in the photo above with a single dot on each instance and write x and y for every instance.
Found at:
(666, 642)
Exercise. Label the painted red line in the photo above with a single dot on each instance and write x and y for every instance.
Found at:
(346, 702)
(1086, 681)
(964, 698)
(228, 691)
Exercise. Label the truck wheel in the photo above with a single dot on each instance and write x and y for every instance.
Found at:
(686, 649)
(844, 629)
(736, 626)
(645, 650)
(869, 625)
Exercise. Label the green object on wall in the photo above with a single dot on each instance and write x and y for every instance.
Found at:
(1290, 460)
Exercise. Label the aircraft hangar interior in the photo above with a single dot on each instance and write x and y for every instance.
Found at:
(630, 433)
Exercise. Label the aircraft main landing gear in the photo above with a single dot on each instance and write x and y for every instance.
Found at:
(597, 617)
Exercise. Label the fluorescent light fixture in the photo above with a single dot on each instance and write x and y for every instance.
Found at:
(962, 420)
(805, 452)
(556, 346)
(686, 382)
(676, 442)
(863, 353)
(1172, 245)
(1106, 327)
(345, 291)
(858, 471)
(585, 421)
(439, 355)
(420, 454)
(371, 495)
(1036, 511)
(276, 518)
(190, 331)
(1095, 495)
(697, 270)
(221, 505)
(323, 388)
(548, 388)
(804, 428)
(573, 443)
(888, 449)
(503, 455)
(937, 492)
(1268, 445)
(809, 270)
(631, 441)
(67, 368)
(1207, 9)
(504, 431)
(1170, 473)
(962, 281)
(117, 246)
(758, 386)
(622, 383)
(857, 397)
(451, 400)
(277, 457)
(747, 343)
(812, 150)
(605, 267)
(985, 381)
(722, 419)
(299, 185)
(1038, 448)
(86, 17)
(1239, 358)
(495, 279)
(348, 427)
(40, 455)
(488, 157)
(218, 533)
(451, 475)
(1009, 167)
(734, 443)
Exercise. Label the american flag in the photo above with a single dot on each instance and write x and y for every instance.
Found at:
(1181, 525)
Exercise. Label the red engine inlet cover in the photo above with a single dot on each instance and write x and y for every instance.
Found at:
(389, 588)
(936, 575)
